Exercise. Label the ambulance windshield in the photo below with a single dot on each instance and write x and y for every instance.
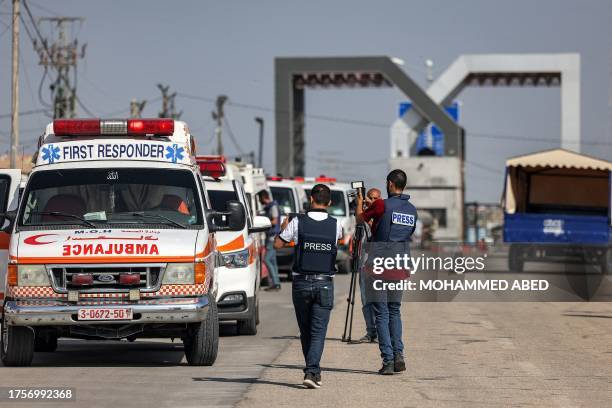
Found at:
(219, 199)
(338, 205)
(284, 197)
(126, 197)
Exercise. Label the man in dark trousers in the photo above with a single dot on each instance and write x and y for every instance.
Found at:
(272, 211)
(316, 236)
(393, 221)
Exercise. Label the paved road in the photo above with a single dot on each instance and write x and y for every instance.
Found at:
(153, 373)
(460, 354)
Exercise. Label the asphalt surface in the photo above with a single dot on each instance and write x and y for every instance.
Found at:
(153, 373)
(459, 353)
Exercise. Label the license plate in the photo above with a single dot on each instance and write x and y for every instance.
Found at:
(123, 313)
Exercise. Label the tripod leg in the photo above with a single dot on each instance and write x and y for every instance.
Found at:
(348, 306)
(353, 288)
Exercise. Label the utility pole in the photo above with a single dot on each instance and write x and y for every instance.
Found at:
(218, 116)
(136, 108)
(15, 88)
(62, 55)
(260, 122)
(168, 107)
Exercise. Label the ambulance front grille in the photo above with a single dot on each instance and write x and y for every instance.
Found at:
(105, 278)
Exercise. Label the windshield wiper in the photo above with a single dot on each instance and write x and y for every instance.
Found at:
(67, 215)
(158, 216)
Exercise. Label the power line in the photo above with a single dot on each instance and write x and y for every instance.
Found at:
(358, 122)
(231, 135)
(25, 113)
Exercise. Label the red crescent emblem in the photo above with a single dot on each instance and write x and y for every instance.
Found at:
(33, 240)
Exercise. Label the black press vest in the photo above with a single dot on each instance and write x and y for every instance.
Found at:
(315, 252)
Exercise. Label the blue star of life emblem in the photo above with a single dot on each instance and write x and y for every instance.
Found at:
(174, 153)
(50, 153)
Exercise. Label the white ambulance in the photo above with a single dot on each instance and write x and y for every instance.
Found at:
(239, 266)
(341, 196)
(113, 238)
(291, 199)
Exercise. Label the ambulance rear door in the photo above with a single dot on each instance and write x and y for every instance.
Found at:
(10, 179)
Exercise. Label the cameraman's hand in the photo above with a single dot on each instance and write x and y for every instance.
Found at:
(359, 200)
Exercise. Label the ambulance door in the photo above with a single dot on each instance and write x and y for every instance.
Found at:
(10, 179)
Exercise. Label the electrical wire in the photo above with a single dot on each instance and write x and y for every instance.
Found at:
(232, 137)
(380, 125)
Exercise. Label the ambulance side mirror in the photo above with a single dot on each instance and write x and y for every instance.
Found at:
(6, 221)
(260, 224)
(233, 219)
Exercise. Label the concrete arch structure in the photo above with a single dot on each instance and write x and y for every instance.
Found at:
(523, 70)
(295, 74)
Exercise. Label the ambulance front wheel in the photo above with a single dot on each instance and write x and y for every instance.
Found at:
(202, 339)
(248, 326)
(17, 345)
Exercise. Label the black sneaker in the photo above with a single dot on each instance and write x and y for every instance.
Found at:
(367, 339)
(318, 379)
(309, 381)
(387, 368)
(398, 363)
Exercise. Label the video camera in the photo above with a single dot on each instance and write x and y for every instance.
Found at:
(359, 186)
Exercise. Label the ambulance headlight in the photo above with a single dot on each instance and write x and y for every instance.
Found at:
(179, 274)
(238, 259)
(32, 275)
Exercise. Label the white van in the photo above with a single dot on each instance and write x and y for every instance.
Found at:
(113, 238)
(291, 198)
(239, 266)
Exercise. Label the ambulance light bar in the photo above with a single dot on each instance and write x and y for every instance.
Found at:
(214, 169)
(324, 179)
(275, 178)
(211, 157)
(113, 127)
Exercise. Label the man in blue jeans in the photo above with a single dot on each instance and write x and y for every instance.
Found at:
(316, 236)
(272, 211)
(393, 223)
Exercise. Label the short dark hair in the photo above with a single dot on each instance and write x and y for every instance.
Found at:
(398, 178)
(264, 195)
(321, 194)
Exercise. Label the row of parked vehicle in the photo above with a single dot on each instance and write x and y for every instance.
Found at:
(121, 231)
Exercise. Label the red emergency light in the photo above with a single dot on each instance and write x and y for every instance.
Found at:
(113, 127)
(211, 157)
(158, 127)
(214, 169)
(129, 278)
(82, 279)
(275, 178)
(324, 179)
(299, 179)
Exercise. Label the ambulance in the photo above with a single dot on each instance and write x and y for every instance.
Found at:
(239, 266)
(341, 209)
(113, 238)
(291, 199)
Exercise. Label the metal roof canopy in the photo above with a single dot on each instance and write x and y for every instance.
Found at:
(294, 74)
(512, 70)
(559, 158)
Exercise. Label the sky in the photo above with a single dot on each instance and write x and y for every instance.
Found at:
(205, 48)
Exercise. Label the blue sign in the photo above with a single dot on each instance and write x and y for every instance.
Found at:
(431, 138)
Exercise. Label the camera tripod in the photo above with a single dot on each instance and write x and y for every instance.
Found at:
(357, 239)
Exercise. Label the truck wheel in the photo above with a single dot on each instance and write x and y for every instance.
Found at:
(45, 344)
(606, 262)
(17, 345)
(516, 263)
(249, 326)
(202, 339)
